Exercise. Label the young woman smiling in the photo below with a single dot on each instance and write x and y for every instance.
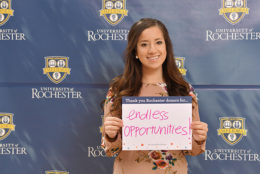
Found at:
(150, 70)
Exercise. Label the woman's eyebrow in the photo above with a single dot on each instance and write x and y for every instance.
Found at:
(148, 40)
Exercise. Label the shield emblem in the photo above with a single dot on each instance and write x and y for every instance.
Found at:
(180, 65)
(232, 129)
(113, 11)
(6, 125)
(56, 68)
(234, 10)
(56, 172)
(5, 11)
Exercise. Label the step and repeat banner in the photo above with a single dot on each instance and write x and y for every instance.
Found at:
(58, 56)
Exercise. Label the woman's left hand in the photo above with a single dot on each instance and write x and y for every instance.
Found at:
(199, 130)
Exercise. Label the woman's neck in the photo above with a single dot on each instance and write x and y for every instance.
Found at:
(152, 76)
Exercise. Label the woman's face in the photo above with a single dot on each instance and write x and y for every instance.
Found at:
(151, 48)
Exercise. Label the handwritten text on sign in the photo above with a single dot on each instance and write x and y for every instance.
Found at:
(157, 123)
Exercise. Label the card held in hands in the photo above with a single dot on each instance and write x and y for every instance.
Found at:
(157, 123)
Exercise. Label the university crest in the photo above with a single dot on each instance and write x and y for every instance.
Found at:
(234, 10)
(6, 125)
(113, 11)
(180, 65)
(56, 68)
(232, 129)
(5, 11)
(56, 172)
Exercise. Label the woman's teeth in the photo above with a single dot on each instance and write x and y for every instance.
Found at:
(153, 58)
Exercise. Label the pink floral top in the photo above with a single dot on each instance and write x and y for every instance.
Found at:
(153, 161)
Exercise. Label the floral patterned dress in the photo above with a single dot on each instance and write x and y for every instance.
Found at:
(153, 161)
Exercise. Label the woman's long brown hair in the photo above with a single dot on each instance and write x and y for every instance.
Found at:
(130, 82)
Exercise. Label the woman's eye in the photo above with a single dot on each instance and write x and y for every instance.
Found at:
(159, 42)
(143, 44)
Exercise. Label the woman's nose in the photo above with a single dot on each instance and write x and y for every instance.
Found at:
(152, 48)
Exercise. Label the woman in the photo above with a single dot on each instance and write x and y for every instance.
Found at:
(150, 70)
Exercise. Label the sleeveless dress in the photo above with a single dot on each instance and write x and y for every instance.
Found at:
(150, 161)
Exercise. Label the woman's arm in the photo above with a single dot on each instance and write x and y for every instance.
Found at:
(111, 136)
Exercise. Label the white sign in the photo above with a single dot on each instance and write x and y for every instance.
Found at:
(157, 123)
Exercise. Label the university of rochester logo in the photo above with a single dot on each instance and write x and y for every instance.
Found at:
(6, 125)
(180, 64)
(56, 68)
(232, 129)
(113, 11)
(56, 172)
(234, 10)
(5, 11)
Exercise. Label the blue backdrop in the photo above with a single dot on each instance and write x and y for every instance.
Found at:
(50, 115)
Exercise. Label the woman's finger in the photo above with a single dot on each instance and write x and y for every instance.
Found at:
(111, 118)
(112, 128)
(200, 132)
(113, 121)
(199, 125)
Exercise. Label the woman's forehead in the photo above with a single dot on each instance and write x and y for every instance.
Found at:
(151, 33)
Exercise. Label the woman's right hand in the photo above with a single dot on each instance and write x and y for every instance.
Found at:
(112, 125)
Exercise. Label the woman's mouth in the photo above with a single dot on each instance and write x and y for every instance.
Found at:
(153, 58)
